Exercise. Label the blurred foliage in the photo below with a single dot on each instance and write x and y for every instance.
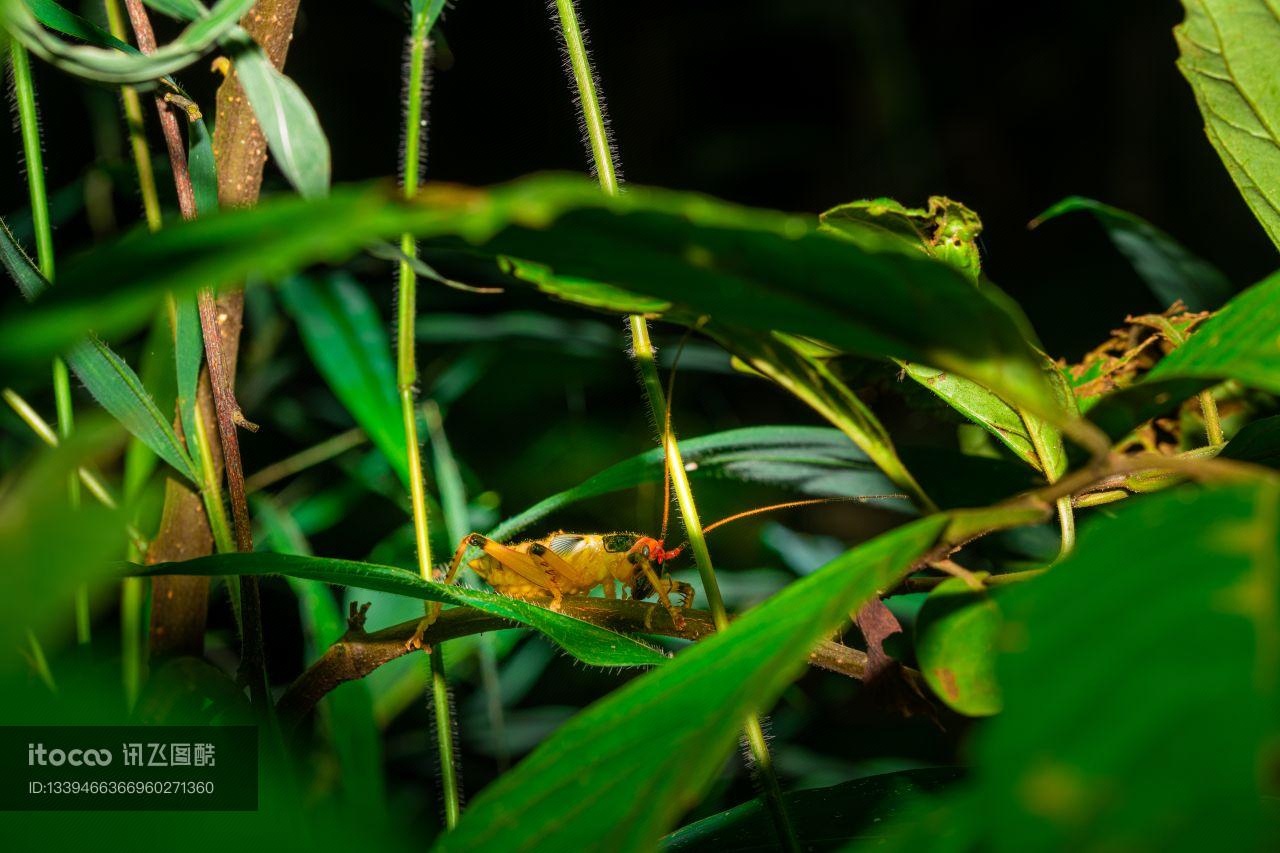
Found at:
(1120, 695)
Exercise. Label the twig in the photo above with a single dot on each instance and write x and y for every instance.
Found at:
(356, 653)
(225, 406)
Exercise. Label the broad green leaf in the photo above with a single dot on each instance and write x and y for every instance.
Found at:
(157, 375)
(119, 390)
(948, 231)
(997, 417)
(663, 252)
(1227, 53)
(1168, 268)
(114, 64)
(783, 360)
(1257, 442)
(1240, 342)
(288, 121)
(956, 635)
(823, 817)
(585, 641)
(673, 728)
(1141, 697)
(346, 338)
(811, 460)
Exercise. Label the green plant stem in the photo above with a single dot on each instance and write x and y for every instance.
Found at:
(211, 491)
(29, 125)
(1066, 511)
(642, 350)
(322, 452)
(1212, 422)
(132, 105)
(406, 380)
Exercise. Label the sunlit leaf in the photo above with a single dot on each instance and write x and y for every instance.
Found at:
(1227, 50)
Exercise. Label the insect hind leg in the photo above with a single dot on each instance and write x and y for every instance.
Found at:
(471, 540)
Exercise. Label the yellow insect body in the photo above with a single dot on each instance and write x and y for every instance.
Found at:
(592, 562)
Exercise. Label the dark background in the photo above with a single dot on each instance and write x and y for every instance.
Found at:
(796, 105)
(801, 105)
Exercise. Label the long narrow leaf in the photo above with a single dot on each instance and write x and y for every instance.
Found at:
(589, 643)
(344, 335)
(119, 390)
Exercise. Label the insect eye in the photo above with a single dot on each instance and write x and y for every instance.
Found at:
(618, 542)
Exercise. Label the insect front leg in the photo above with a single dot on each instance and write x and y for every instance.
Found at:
(661, 587)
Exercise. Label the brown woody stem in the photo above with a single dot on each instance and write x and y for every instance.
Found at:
(357, 653)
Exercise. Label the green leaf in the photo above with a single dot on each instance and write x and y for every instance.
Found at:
(19, 266)
(50, 547)
(784, 360)
(288, 121)
(810, 460)
(113, 63)
(589, 643)
(119, 390)
(993, 414)
(346, 338)
(1227, 50)
(673, 728)
(202, 166)
(1141, 698)
(648, 249)
(107, 377)
(1257, 442)
(1240, 342)
(347, 711)
(823, 817)
(956, 635)
(1169, 269)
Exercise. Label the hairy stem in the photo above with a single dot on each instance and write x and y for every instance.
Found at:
(606, 172)
(24, 91)
(406, 379)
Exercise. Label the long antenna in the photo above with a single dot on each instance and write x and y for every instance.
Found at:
(666, 428)
(760, 510)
